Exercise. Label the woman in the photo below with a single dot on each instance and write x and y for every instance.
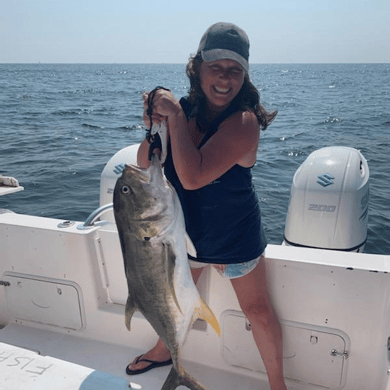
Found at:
(214, 135)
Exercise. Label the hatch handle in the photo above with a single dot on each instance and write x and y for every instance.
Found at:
(343, 355)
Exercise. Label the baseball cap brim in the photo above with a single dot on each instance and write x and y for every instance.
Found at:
(224, 54)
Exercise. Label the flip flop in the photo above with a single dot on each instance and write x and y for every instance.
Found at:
(153, 364)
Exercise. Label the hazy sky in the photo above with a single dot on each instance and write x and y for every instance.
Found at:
(139, 31)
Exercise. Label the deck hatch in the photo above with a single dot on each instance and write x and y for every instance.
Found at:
(46, 301)
(308, 356)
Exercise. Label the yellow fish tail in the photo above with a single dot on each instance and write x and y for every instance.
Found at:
(205, 313)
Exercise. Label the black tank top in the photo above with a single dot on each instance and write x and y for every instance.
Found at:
(223, 218)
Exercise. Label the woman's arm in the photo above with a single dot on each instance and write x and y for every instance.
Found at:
(235, 143)
(143, 155)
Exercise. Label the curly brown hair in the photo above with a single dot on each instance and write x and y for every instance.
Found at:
(248, 99)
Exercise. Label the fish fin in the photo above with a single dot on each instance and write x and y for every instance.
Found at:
(129, 311)
(204, 312)
(171, 260)
(180, 376)
(190, 246)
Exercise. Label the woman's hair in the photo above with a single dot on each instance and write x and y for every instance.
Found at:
(248, 99)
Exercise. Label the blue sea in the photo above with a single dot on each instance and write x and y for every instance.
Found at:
(61, 123)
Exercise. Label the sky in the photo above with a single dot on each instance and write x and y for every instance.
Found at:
(151, 31)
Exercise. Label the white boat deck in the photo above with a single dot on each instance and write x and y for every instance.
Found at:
(36, 359)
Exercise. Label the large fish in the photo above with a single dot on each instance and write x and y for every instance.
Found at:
(151, 228)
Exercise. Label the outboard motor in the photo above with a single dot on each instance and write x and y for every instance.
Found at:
(111, 172)
(328, 206)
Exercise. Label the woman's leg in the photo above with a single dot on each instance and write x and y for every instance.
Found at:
(253, 296)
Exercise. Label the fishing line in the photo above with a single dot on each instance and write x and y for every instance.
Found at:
(153, 139)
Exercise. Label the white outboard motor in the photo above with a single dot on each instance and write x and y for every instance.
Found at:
(328, 206)
(112, 172)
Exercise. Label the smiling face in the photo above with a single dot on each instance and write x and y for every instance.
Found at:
(221, 81)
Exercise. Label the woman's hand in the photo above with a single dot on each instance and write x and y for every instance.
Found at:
(156, 118)
(163, 106)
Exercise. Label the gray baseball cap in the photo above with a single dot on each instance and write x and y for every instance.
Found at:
(225, 41)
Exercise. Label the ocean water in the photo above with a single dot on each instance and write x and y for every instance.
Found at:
(61, 123)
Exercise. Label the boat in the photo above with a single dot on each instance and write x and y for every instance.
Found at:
(63, 293)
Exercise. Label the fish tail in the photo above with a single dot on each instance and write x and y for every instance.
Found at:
(180, 377)
(205, 313)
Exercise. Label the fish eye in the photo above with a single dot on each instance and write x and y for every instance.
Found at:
(125, 190)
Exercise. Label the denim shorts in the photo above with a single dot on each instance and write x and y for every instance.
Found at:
(229, 271)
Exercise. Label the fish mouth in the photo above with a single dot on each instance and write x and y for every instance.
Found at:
(138, 172)
(134, 168)
(155, 161)
(146, 175)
